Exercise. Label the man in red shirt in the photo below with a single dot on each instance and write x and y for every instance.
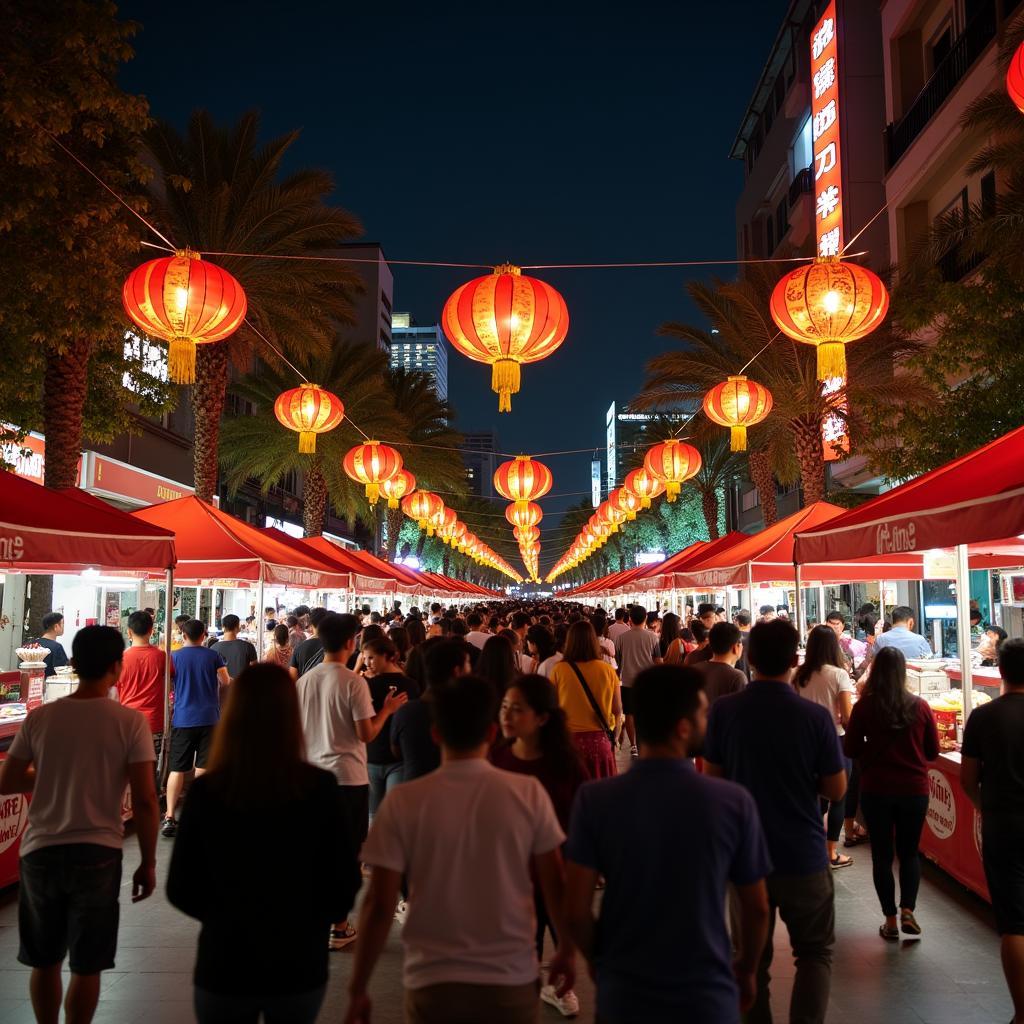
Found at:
(141, 685)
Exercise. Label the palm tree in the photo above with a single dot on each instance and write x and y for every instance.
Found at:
(432, 443)
(218, 190)
(257, 446)
(719, 467)
(742, 332)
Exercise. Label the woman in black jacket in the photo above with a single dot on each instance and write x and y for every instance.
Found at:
(263, 945)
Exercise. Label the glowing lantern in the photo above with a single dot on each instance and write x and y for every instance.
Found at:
(1015, 79)
(422, 506)
(395, 488)
(524, 514)
(625, 501)
(371, 464)
(526, 534)
(458, 532)
(310, 410)
(673, 463)
(738, 403)
(829, 303)
(644, 486)
(611, 514)
(522, 480)
(445, 524)
(505, 319)
(185, 302)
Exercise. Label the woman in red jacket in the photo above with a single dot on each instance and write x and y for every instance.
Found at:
(894, 735)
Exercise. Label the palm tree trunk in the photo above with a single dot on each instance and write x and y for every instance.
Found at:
(314, 501)
(811, 456)
(394, 521)
(709, 504)
(764, 481)
(64, 391)
(420, 543)
(208, 394)
(446, 560)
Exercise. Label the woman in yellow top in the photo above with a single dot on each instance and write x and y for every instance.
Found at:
(589, 728)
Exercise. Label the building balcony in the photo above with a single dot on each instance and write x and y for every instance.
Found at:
(801, 185)
(973, 42)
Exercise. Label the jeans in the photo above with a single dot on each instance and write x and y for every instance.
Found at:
(895, 824)
(227, 1008)
(853, 788)
(382, 778)
(806, 904)
(465, 1003)
(836, 810)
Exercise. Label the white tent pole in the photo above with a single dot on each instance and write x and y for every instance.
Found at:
(800, 611)
(260, 631)
(750, 590)
(963, 623)
(168, 626)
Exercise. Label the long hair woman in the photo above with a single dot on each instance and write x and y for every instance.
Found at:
(672, 648)
(540, 646)
(538, 743)
(588, 692)
(894, 735)
(257, 772)
(823, 679)
(498, 663)
(279, 650)
(415, 629)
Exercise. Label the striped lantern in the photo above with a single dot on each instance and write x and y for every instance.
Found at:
(524, 514)
(738, 403)
(423, 506)
(371, 464)
(672, 462)
(644, 486)
(310, 410)
(395, 488)
(522, 480)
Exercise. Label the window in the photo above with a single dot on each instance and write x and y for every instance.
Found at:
(750, 499)
(386, 303)
(941, 44)
(956, 206)
(780, 91)
(802, 153)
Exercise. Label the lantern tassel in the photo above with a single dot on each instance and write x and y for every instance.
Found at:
(831, 360)
(307, 442)
(372, 493)
(738, 442)
(392, 503)
(645, 502)
(181, 360)
(505, 380)
(672, 490)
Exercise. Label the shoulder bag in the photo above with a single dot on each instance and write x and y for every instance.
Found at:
(593, 703)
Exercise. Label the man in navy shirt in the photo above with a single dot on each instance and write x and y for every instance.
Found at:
(784, 750)
(667, 842)
(199, 673)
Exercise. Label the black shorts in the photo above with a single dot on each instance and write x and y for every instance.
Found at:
(1002, 852)
(627, 700)
(354, 805)
(190, 747)
(68, 903)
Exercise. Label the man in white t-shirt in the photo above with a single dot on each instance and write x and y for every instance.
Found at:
(338, 720)
(477, 635)
(465, 837)
(76, 756)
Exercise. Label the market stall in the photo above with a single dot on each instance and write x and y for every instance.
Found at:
(974, 506)
(55, 532)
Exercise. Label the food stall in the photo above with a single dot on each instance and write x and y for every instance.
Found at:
(974, 506)
(59, 532)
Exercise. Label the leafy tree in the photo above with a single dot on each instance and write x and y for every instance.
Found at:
(718, 469)
(218, 190)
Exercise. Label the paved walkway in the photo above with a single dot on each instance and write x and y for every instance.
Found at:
(950, 976)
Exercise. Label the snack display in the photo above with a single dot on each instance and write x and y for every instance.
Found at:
(33, 654)
(948, 709)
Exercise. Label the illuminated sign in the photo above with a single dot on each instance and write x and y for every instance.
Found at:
(595, 482)
(609, 421)
(835, 442)
(825, 111)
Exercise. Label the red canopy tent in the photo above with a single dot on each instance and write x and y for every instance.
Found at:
(48, 531)
(663, 576)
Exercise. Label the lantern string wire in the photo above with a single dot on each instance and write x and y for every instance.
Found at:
(85, 167)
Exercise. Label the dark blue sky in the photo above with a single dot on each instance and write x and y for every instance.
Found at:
(492, 135)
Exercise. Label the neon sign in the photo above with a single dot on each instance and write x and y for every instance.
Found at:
(825, 110)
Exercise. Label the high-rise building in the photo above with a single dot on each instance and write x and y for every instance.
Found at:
(424, 349)
(372, 305)
(480, 455)
(627, 434)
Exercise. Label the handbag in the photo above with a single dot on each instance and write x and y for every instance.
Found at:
(610, 733)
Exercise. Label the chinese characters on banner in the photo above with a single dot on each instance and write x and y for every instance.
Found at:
(828, 191)
(828, 184)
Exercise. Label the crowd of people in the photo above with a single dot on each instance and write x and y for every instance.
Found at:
(462, 766)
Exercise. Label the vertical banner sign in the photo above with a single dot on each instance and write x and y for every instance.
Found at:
(595, 482)
(828, 191)
(609, 422)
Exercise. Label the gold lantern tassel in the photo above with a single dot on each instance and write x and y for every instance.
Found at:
(505, 381)
(672, 490)
(372, 493)
(181, 360)
(738, 442)
(307, 442)
(645, 502)
(392, 503)
(831, 360)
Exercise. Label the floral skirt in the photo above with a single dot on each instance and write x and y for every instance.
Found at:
(596, 754)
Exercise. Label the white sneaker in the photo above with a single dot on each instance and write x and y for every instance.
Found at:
(567, 1005)
(633, 752)
(401, 911)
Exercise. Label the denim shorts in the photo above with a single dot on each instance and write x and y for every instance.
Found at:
(68, 903)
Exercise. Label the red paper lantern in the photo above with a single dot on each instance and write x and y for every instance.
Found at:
(626, 501)
(522, 480)
(644, 486)
(524, 514)
(526, 534)
(371, 464)
(397, 487)
(505, 319)
(423, 507)
(738, 403)
(829, 303)
(1015, 79)
(186, 302)
(310, 410)
(673, 463)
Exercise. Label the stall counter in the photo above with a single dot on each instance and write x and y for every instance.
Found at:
(13, 815)
(951, 837)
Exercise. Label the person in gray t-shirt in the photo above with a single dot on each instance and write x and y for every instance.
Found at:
(636, 649)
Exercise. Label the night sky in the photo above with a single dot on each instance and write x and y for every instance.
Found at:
(490, 137)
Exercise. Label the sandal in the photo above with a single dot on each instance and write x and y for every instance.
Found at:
(841, 861)
(909, 923)
(856, 839)
(889, 934)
